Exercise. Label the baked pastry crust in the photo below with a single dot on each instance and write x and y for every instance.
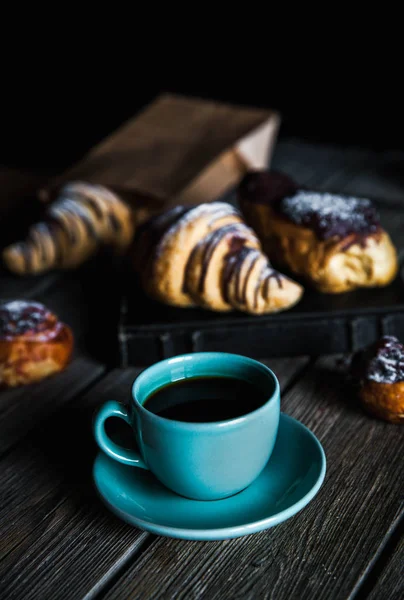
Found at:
(207, 256)
(34, 344)
(378, 371)
(83, 218)
(339, 262)
(384, 400)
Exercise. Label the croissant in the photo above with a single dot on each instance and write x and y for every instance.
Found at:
(83, 218)
(34, 344)
(207, 256)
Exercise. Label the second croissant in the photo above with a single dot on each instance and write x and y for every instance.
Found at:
(207, 256)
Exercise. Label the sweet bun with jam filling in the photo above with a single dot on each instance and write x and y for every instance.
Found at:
(34, 344)
(378, 370)
(335, 242)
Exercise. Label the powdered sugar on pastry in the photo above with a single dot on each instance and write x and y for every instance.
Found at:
(330, 215)
(335, 242)
(214, 210)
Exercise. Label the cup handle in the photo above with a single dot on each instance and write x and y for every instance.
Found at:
(122, 455)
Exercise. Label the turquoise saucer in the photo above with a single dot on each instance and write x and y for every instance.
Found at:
(291, 479)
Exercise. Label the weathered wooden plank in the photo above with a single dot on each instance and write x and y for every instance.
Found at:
(287, 370)
(58, 540)
(390, 583)
(23, 408)
(322, 551)
(52, 524)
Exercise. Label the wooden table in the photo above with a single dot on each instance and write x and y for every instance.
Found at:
(57, 540)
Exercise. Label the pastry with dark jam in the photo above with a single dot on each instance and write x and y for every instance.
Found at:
(207, 256)
(335, 242)
(34, 344)
(379, 372)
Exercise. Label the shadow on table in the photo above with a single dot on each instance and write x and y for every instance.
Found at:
(68, 447)
(333, 372)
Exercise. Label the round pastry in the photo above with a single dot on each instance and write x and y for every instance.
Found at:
(334, 242)
(34, 344)
(207, 256)
(379, 372)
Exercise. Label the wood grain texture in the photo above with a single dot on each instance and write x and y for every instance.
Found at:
(287, 370)
(322, 551)
(390, 583)
(22, 409)
(59, 541)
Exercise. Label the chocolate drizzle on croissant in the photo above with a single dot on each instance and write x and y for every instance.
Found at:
(232, 269)
(207, 256)
(210, 244)
(83, 218)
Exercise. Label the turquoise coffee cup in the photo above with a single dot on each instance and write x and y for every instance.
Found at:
(201, 461)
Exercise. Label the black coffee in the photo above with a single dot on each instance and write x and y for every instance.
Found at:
(205, 399)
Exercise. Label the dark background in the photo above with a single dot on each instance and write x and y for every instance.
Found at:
(49, 123)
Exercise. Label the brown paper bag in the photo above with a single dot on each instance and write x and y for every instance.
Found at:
(180, 150)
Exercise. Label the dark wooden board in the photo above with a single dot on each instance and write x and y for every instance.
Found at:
(321, 552)
(59, 541)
